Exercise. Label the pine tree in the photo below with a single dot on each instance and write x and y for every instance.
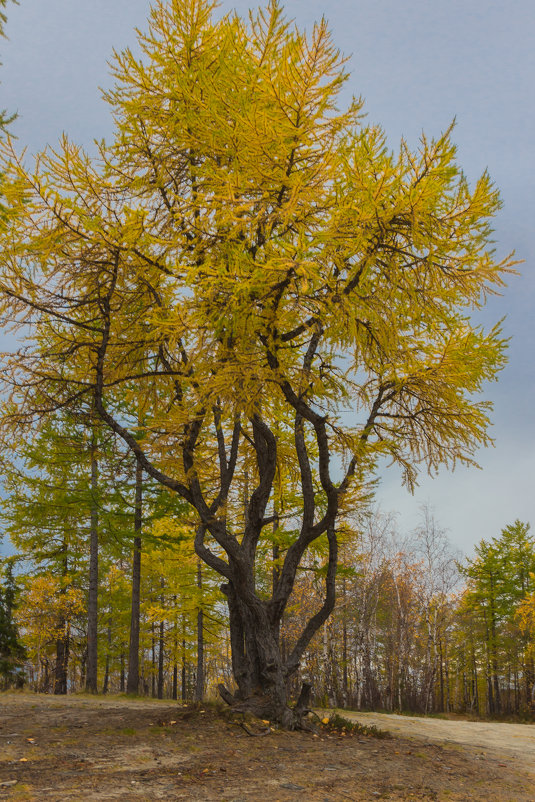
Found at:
(12, 652)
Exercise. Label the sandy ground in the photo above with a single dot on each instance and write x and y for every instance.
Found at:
(98, 749)
(507, 741)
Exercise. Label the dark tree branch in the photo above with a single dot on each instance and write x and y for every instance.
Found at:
(307, 485)
(265, 445)
(99, 405)
(208, 556)
(322, 615)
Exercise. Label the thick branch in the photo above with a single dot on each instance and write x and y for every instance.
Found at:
(322, 615)
(384, 395)
(100, 408)
(307, 486)
(265, 445)
(208, 556)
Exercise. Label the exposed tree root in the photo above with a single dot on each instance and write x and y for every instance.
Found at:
(262, 707)
(244, 726)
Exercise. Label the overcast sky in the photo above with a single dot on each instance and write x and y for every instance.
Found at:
(418, 64)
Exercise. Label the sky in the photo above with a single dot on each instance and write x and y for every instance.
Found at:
(418, 64)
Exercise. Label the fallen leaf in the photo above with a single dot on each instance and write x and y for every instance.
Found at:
(23, 760)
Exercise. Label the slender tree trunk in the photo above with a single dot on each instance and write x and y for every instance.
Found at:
(530, 672)
(62, 659)
(123, 678)
(476, 688)
(92, 605)
(183, 689)
(275, 574)
(133, 649)
(45, 682)
(63, 642)
(345, 688)
(160, 660)
(441, 678)
(199, 683)
(447, 677)
(83, 668)
(106, 683)
(153, 661)
(174, 693)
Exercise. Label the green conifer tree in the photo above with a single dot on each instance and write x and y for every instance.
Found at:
(11, 650)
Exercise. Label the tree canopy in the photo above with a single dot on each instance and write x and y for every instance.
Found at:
(246, 284)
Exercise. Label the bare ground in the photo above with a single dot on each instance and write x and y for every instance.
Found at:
(85, 748)
(514, 743)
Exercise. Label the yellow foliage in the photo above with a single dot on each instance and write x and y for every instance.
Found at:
(48, 607)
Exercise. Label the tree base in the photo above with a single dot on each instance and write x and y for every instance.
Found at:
(265, 708)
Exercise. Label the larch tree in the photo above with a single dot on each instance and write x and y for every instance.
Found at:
(44, 512)
(247, 262)
(499, 579)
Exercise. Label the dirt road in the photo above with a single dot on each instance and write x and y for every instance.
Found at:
(515, 741)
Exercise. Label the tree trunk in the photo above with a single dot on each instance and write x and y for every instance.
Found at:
(345, 683)
(92, 605)
(132, 685)
(160, 660)
(183, 687)
(83, 668)
(106, 683)
(259, 670)
(62, 660)
(199, 682)
(63, 642)
(153, 661)
(174, 693)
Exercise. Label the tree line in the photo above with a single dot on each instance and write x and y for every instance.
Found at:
(415, 627)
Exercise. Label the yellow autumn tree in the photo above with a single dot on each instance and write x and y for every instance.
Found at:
(525, 619)
(48, 609)
(242, 264)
